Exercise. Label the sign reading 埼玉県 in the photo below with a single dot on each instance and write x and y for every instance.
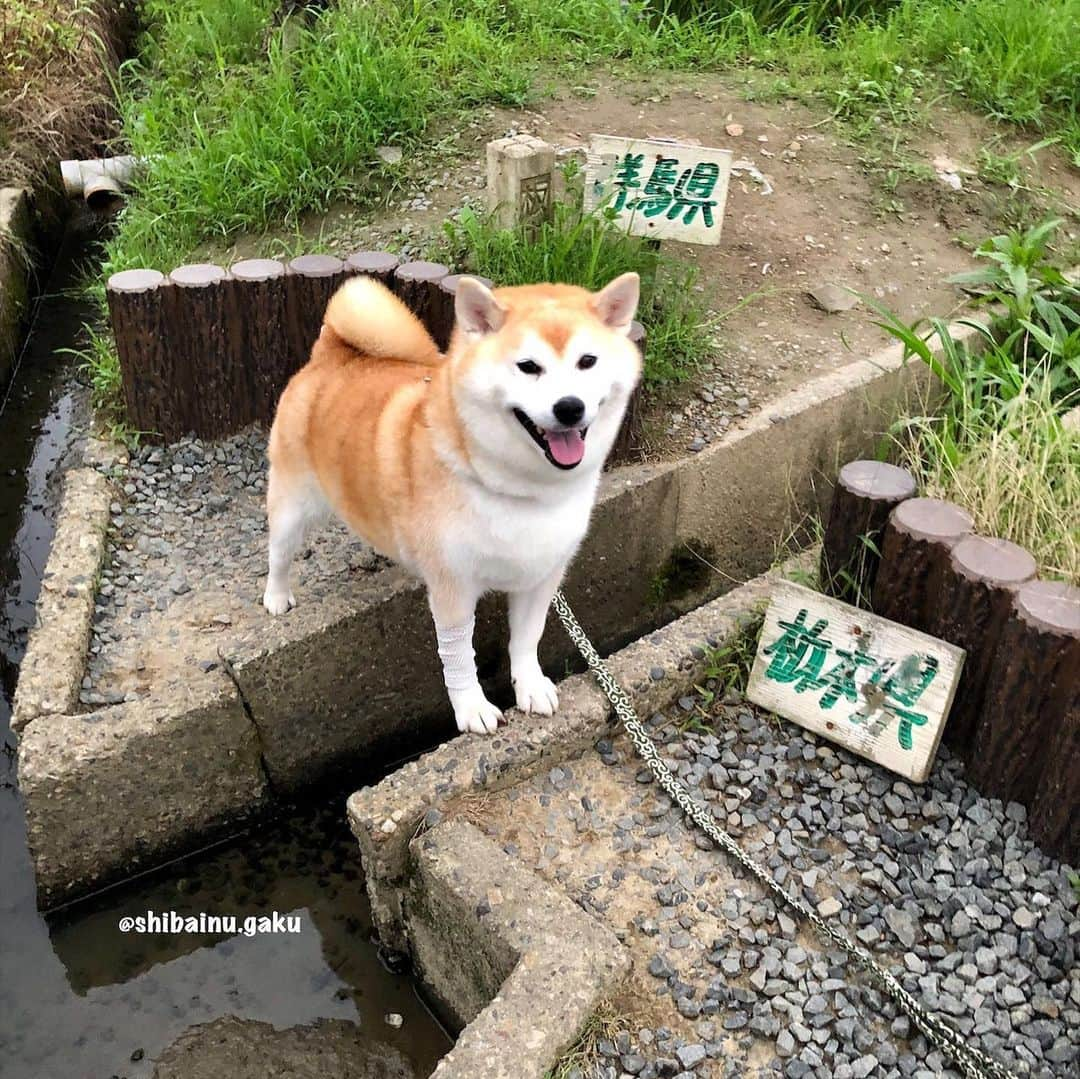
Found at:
(662, 189)
(873, 686)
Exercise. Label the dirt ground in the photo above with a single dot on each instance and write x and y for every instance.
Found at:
(875, 218)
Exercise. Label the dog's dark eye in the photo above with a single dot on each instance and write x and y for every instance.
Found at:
(587, 361)
(530, 367)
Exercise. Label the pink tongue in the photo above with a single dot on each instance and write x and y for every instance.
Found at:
(567, 447)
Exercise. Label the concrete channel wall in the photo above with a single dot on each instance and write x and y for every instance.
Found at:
(508, 956)
(327, 689)
(16, 267)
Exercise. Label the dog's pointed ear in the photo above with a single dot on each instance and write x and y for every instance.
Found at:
(476, 309)
(616, 303)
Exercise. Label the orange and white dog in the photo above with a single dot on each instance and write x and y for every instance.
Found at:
(471, 469)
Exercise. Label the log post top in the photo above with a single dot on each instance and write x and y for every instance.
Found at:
(422, 271)
(1050, 605)
(135, 280)
(933, 520)
(997, 562)
(877, 480)
(316, 265)
(257, 269)
(450, 282)
(372, 262)
(197, 275)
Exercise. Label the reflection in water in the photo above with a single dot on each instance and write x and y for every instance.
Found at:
(127, 994)
(78, 998)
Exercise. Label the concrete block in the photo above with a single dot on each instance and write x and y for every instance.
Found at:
(520, 179)
(740, 497)
(506, 953)
(360, 676)
(654, 670)
(111, 791)
(55, 660)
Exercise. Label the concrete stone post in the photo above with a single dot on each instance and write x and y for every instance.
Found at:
(520, 179)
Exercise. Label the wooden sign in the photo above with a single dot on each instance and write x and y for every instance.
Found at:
(662, 189)
(875, 687)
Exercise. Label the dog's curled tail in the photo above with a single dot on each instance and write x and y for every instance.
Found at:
(366, 315)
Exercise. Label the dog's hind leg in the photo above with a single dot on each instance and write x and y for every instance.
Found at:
(294, 503)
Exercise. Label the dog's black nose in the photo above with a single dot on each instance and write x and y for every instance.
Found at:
(568, 410)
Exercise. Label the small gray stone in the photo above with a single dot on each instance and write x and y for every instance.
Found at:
(832, 298)
(690, 1056)
(1024, 918)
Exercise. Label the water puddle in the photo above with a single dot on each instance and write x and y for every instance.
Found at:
(78, 995)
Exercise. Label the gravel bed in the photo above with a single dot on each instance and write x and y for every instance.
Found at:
(941, 883)
(186, 563)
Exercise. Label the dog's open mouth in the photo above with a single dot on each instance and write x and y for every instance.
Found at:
(564, 449)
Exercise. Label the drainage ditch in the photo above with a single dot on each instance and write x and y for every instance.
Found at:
(77, 995)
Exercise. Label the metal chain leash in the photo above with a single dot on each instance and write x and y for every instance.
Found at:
(972, 1062)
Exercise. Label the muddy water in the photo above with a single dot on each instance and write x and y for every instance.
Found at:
(79, 997)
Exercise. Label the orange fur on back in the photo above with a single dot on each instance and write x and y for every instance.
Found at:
(357, 415)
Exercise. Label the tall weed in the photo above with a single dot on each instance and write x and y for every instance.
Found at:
(588, 250)
(998, 446)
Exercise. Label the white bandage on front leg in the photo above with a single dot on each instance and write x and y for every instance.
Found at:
(457, 655)
(472, 710)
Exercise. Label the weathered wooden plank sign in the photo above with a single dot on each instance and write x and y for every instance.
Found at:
(875, 687)
(662, 189)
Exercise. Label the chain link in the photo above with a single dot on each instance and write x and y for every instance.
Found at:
(972, 1062)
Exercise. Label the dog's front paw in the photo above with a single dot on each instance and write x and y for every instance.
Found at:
(536, 694)
(474, 713)
(278, 602)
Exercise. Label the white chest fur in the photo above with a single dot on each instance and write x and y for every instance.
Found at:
(508, 544)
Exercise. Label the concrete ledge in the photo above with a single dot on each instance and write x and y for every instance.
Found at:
(654, 670)
(359, 676)
(55, 660)
(505, 953)
(113, 791)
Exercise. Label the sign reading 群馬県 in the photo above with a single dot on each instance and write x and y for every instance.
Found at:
(873, 686)
(660, 189)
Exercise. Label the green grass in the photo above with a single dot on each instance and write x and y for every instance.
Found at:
(584, 1056)
(247, 128)
(585, 249)
(242, 137)
(246, 134)
(1019, 477)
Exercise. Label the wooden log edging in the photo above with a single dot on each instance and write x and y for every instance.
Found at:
(1015, 720)
(974, 604)
(136, 301)
(207, 350)
(258, 289)
(866, 492)
(1027, 746)
(918, 540)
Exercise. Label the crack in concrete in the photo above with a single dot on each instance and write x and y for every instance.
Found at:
(259, 738)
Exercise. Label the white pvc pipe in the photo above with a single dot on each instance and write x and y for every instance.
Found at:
(100, 181)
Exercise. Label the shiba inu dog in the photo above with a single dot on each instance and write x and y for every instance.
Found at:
(476, 470)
